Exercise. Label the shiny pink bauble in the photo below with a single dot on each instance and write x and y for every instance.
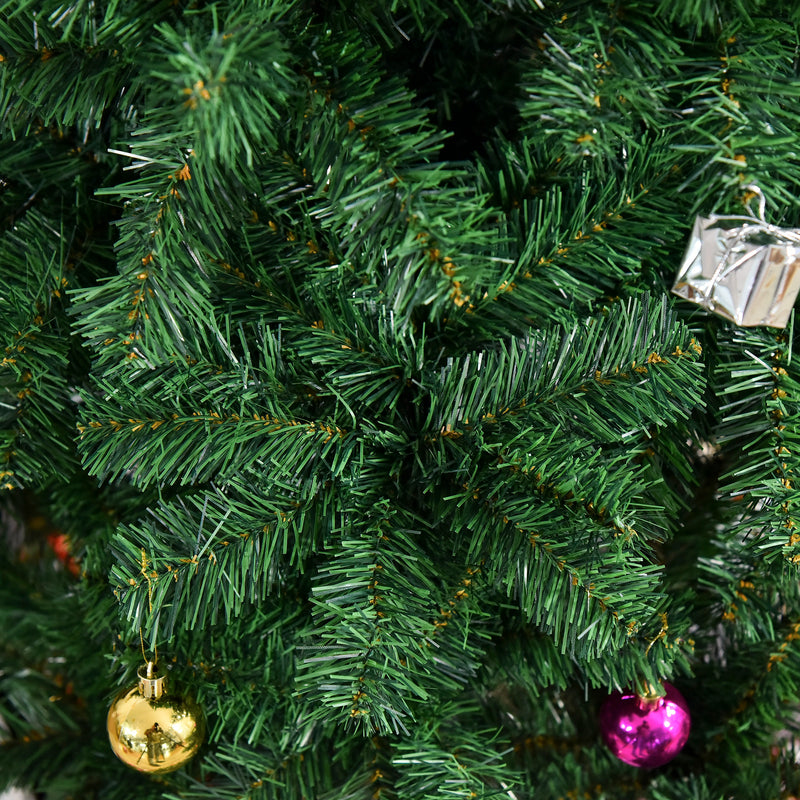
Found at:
(645, 732)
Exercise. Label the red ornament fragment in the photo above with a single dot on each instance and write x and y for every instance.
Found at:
(645, 731)
(61, 547)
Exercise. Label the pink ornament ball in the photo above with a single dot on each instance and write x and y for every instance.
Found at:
(645, 732)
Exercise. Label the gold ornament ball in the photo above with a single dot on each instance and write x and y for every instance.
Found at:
(151, 730)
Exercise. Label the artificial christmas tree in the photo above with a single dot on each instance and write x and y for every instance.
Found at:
(338, 344)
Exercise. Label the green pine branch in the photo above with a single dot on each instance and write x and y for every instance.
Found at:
(375, 655)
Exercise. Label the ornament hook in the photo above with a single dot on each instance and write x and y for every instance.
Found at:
(650, 697)
(151, 664)
(755, 191)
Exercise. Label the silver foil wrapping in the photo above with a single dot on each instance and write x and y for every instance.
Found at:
(741, 268)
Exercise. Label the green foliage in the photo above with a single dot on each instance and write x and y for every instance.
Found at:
(383, 626)
(335, 339)
(242, 55)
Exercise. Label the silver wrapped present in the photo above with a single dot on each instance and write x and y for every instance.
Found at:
(742, 268)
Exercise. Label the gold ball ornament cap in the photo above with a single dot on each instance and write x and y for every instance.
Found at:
(151, 730)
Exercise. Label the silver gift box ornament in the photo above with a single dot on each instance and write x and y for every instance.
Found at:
(742, 268)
